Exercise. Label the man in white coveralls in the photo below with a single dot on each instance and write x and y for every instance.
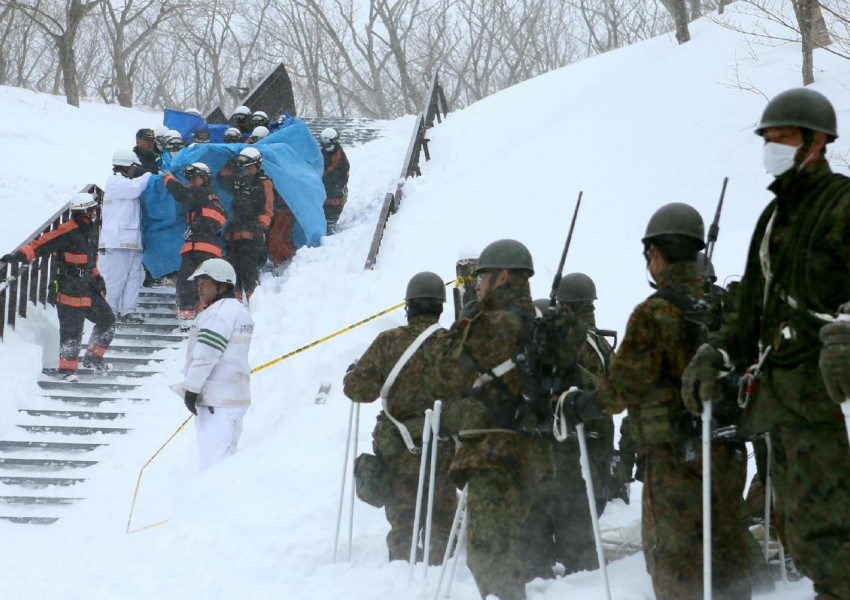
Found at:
(217, 375)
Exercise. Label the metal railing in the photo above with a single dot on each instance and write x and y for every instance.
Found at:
(436, 108)
(23, 283)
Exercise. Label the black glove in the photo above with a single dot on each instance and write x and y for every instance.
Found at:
(189, 399)
(352, 365)
(580, 406)
(15, 256)
(700, 378)
(469, 309)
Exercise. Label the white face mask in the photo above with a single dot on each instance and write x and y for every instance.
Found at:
(779, 158)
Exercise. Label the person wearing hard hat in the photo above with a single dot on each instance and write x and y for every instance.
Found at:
(334, 177)
(217, 375)
(121, 235)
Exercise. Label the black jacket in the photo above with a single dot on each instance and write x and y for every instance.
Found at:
(335, 176)
(205, 215)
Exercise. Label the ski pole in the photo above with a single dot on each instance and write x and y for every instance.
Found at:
(344, 474)
(461, 541)
(351, 490)
(768, 493)
(429, 514)
(453, 533)
(706, 500)
(584, 458)
(414, 539)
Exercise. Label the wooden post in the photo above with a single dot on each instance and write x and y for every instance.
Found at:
(13, 294)
(24, 287)
(465, 284)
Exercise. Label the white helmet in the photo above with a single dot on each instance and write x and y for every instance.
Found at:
(259, 133)
(160, 131)
(197, 168)
(231, 134)
(125, 158)
(83, 201)
(242, 110)
(193, 111)
(250, 156)
(329, 137)
(174, 140)
(216, 269)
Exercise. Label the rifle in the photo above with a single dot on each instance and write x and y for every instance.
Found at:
(714, 228)
(559, 273)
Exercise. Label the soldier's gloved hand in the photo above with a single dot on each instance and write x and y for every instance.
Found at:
(16, 256)
(189, 399)
(834, 360)
(580, 406)
(352, 365)
(699, 379)
(469, 309)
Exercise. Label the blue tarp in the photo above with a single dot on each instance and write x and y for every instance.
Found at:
(291, 158)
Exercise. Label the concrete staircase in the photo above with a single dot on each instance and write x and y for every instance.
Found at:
(46, 461)
(352, 132)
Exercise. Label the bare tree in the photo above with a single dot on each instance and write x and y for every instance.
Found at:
(679, 12)
(130, 27)
(813, 33)
(61, 22)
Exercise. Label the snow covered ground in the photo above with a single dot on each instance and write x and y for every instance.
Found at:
(634, 129)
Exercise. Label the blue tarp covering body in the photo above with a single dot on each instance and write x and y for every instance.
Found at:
(291, 158)
(187, 123)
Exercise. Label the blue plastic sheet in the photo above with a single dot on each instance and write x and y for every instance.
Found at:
(291, 158)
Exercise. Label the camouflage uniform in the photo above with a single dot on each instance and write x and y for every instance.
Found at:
(645, 378)
(409, 397)
(495, 460)
(558, 527)
(808, 246)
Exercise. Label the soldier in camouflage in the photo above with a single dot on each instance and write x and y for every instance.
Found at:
(661, 336)
(558, 527)
(797, 279)
(496, 459)
(408, 398)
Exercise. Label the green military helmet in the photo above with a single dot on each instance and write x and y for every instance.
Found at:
(425, 285)
(803, 108)
(543, 304)
(505, 254)
(705, 267)
(576, 287)
(676, 218)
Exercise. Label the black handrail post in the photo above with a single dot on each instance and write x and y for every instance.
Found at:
(24, 287)
(13, 294)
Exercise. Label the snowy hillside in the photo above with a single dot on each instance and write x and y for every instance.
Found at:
(634, 129)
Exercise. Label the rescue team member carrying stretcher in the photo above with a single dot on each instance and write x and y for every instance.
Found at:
(79, 286)
(205, 216)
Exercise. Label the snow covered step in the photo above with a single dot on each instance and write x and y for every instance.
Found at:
(129, 350)
(31, 520)
(163, 303)
(143, 336)
(43, 465)
(72, 430)
(38, 483)
(88, 386)
(81, 415)
(151, 325)
(87, 375)
(130, 361)
(38, 500)
(47, 446)
(90, 400)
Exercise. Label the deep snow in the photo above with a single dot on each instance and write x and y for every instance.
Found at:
(635, 128)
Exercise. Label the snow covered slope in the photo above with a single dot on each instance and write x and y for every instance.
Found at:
(635, 128)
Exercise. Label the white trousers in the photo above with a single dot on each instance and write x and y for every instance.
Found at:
(124, 277)
(218, 432)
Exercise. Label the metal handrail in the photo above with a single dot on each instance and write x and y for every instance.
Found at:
(21, 283)
(436, 107)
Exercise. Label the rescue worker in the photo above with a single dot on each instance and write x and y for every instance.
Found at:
(241, 120)
(259, 119)
(253, 209)
(217, 375)
(121, 235)
(558, 527)
(484, 393)
(334, 177)
(78, 284)
(201, 136)
(232, 136)
(205, 217)
(397, 437)
(160, 132)
(257, 134)
(146, 150)
(796, 282)
(661, 336)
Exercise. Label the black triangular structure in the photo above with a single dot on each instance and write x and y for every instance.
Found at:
(217, 116)
(272, 94)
